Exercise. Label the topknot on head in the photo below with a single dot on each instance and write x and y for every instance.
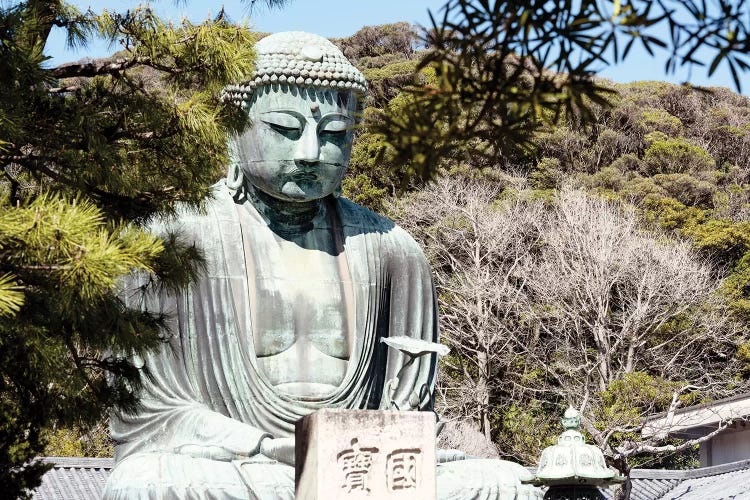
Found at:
(301, 59)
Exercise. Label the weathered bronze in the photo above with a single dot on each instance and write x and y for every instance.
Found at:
(301, 286)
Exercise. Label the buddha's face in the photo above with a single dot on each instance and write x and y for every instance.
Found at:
(298, 145)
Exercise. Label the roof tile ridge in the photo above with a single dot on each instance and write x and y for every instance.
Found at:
(80, 462)
(677, 474)
(715, 470)
(682, 474)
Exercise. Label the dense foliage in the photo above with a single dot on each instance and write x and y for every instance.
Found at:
(90, 151)
(507, 68)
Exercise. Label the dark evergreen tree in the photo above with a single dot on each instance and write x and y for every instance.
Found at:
(90, 152)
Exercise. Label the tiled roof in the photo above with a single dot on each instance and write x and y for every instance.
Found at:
(702, 418)
(724, 482)
(648, 489)
(721, 482)
(74, 478)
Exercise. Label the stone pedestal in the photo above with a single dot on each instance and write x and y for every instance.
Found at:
(379, 454)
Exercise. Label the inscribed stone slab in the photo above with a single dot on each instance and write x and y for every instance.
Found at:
(349, 454)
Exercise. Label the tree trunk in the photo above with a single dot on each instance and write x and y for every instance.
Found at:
(623, 467)
(483, 396)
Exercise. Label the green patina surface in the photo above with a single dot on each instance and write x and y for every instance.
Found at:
(300, 288)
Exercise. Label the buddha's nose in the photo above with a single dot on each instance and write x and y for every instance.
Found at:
(308, 149)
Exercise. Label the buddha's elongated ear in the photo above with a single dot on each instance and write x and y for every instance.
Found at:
(337, 192)
(235, 179)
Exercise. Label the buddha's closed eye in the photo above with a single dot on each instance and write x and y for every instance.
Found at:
(287, 122)
(283, 121)
(335, 124)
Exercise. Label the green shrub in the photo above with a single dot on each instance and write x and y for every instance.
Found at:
(609, 145)
(361, 190)
(670, 214)
(645, 92)
(528, 429)
(564, 144)
(724, 240)
(736, 289)
(670, 156)
(78, 442)
(654, 119)
(638, 189)
(393, 70)
(628, 163)
(655, 136)
(626, 399)
(687, 189)
(547, 174)
(607, 178)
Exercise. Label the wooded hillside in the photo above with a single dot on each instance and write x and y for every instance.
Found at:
(608, 269)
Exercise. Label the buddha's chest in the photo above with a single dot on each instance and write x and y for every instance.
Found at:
(300, 301)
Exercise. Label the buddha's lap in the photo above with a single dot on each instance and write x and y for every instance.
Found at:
(150, 476)
(484, 479)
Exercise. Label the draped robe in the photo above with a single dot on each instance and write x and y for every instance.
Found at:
(205, 396)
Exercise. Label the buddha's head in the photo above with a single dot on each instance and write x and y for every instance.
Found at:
(302, 102)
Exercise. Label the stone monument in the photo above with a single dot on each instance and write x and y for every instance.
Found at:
(349, 454)
(299, 289)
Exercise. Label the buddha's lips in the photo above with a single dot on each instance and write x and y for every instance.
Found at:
(308, 173)
(303, 175)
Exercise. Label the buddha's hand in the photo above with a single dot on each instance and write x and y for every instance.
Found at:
(279, 449)
(449, 455)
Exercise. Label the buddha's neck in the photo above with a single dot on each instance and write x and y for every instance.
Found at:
(285, 215)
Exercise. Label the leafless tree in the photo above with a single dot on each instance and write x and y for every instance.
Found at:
(477, 245)
(635, 319)
(621, 323)
(463, 435)
(618, 299)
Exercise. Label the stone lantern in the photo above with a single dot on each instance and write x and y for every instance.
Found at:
(572, 469)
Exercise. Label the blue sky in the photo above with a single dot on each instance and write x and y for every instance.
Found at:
(336, 18)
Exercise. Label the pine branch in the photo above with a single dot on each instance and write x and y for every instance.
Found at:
(101, 67)
(64, 89)
(80, 365)
(95, 68)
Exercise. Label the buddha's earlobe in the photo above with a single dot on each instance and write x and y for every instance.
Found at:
(337, 192)
(234, 176)
(234, 171)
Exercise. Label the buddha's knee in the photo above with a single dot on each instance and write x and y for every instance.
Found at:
(480, 479)
(162, 476)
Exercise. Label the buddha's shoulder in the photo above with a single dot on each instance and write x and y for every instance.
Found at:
(354, 215)
(191, 219)
(359, 219)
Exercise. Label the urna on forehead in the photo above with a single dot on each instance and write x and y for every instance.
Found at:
(299, 59)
